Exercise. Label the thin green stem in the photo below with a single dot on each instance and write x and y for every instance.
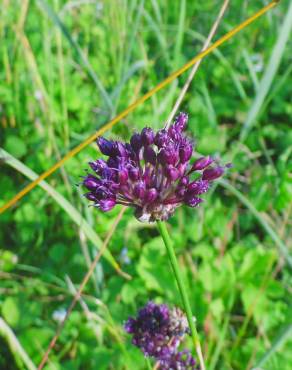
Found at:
(149, 367)
(178, 276)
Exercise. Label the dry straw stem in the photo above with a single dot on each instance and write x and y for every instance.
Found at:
(82, 285)
(138, 102)
(197, 64)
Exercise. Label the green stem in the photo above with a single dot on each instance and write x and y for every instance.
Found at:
(15, 346)
(148, 363)
(177, 273)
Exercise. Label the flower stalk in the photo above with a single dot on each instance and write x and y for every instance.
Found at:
(183, 293)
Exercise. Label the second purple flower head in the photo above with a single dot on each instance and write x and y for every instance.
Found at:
(158, 330)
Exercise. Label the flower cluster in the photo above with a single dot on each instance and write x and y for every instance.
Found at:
(179, 361)
(157, 331)
(152, 173)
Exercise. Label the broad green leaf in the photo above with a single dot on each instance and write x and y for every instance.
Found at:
(10, 311)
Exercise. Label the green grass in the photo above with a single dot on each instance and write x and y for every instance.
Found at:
(66, 67)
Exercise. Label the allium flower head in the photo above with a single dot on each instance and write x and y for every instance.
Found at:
(152, 173)
(157, 331)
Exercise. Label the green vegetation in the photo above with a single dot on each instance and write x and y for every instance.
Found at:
(66, 68)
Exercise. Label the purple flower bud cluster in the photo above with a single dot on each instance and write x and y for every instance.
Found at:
(152, 173)
(157, 331)
(182, 360)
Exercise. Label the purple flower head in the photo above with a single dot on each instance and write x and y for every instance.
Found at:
(157, 330)
(152, 173)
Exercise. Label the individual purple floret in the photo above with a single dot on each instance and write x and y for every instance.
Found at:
(152, 173)
(157, 330)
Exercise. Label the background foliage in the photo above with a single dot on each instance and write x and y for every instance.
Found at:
(66, 68)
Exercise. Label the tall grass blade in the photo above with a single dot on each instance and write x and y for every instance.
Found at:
(136, 66)
(196, 66)
(63, 203)
(15, 346)
(251, 69)
(285, 334)
(161, 39)
(232, 72)
(283, 249)
(277, 87)
(57, 21)
(127, 69)
(180, 32)
(269, 74)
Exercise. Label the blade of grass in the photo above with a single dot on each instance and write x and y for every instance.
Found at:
(23, 14)
(209, 107)
(251, 70)
(62, 83)
(161, 40)
(33, 67)
(132, 106)
(180, 32)
(136, 66)
(277, 86)
(220, 342)
(15, 345)
(197, 64)
(75, 216)
(269, 74)
(279, 341)
(127, 69)
(82, 286)
(232, 72)
(82, 57)
(93, 317)
(46, 103)
(251, 308)
(283, 249)
(157, 12)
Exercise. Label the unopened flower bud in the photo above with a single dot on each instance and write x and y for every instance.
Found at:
(202, 163)
(151, 195)
(105, 146)
(123, 176)
(147, 136)
(212, 173)
(168, 155)
(150, 155)
(91, 182)
(136, 142)
(107, 204)
(139, 190)
(185, 152)
(172, 173)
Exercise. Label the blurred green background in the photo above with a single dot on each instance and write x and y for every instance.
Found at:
(66, 68)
